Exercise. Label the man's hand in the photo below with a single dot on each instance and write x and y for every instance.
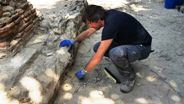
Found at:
(97, 57)
(66, 43)
(80, 74)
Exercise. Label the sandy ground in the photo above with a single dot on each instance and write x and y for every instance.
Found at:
(159, 78)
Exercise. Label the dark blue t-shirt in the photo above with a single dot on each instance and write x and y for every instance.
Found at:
(124, 29)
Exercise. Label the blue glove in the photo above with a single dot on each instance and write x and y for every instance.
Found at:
(80, 74)
(66, 43)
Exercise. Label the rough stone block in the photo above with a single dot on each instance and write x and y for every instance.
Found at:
(8, 8)
(6, 14)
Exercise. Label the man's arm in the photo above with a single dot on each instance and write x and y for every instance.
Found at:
(85, 34)
(97, 57)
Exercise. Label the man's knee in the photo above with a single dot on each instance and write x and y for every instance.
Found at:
(95, 48)
(117, 53)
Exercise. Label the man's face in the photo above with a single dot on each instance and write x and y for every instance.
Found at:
(97, 25)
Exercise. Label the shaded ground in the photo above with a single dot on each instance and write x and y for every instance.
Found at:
(159, 78)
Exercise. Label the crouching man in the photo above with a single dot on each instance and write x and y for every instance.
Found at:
(123, 40)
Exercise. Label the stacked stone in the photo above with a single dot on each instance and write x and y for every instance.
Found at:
(17, 20)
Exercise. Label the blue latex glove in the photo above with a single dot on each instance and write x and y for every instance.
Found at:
(80, 74)
(66, 43)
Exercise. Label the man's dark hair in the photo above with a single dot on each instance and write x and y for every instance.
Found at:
(93, 13)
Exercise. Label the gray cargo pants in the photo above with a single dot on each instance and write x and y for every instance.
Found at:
(123, 55)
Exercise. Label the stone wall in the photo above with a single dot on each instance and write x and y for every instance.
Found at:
(17, 20)
(33, 75)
